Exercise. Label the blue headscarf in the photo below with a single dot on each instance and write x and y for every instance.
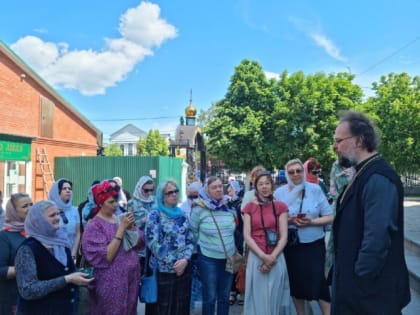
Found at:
(37, 226)
(54, 195)
(174, 212)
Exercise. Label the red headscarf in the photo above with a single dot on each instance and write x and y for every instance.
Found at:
(311, 164)
(103, 191)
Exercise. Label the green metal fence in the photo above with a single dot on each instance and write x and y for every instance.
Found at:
(82, 171)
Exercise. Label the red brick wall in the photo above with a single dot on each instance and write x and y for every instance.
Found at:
(20, 112)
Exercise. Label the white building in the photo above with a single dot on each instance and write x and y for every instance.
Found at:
(126, 138)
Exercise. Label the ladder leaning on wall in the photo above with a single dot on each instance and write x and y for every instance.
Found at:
(45, 167)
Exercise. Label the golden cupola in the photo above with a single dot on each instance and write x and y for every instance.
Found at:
(190, 113)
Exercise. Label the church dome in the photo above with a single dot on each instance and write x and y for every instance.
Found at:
(190, 111)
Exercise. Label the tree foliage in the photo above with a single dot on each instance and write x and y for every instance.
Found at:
(267, 122)
(153, 145)
(396, 109)
(113, 150)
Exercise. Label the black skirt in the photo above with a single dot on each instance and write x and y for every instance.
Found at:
(174, 294)
(305, 266)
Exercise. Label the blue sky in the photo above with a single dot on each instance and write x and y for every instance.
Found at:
(126, 61)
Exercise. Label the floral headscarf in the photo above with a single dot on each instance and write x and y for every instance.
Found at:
(101, 192)
(38, 227)
(137, 194)
(209, 202)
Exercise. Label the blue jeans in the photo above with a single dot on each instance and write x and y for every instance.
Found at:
(216, 284)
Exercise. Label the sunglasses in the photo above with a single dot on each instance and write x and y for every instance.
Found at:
(26, 205)
(111, 189)
(192, 196)
(295, 171)
(148, 190)
(168, 193)
(315, 172)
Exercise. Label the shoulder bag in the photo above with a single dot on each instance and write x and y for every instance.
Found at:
(234, 262)
(292, 233)
(148, 292)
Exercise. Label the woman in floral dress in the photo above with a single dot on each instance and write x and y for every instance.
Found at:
(116, 269)
(170, 240)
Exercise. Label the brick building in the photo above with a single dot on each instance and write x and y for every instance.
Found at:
(36, 125)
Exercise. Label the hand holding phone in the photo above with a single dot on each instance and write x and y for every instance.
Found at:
(301, 215)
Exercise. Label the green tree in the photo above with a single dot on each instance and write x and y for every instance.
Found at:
(268, 122)
(238, 126)
(305, 115)
(154, 144)
(113, 150)
(396, 109)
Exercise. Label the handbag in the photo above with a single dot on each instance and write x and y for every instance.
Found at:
(234, 262)
(292, 233)
(148, 292)
(241, 275)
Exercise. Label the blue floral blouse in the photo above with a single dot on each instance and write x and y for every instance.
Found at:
(168, 239)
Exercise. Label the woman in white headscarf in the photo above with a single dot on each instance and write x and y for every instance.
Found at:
(309, 212)
(192, 196)
(45, 272)
(142, 200)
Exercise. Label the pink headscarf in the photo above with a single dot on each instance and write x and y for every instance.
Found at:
(13, 222)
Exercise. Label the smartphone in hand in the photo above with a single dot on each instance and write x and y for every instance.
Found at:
(301, 215)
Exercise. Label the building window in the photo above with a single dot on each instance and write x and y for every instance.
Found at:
(47, 110)
(130, 149)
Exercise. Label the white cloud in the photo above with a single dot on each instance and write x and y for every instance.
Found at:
(314, 30)
(92, 72)
(271, 75)
(329, 47)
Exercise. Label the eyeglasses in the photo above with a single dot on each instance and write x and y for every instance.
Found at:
(66, 188)
(315, 172)
(148, 190)
(295, 171)
(339, 140)
(168, 193)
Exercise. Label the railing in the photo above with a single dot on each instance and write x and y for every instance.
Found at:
(411, 183)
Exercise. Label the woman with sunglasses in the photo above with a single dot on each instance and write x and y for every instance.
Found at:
(170, 241)
(61, 194)
(213, 224)
(313, 175)
(142, 200)
(12, 235)
(116, 267)
(309, 212)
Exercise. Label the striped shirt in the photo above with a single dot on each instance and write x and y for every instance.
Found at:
(206, 234)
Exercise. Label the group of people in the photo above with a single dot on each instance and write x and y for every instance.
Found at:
(280, 230)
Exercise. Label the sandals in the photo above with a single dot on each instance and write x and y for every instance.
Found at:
(241, 299)
(232, 298)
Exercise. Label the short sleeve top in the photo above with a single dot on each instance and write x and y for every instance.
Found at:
(255, 211)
